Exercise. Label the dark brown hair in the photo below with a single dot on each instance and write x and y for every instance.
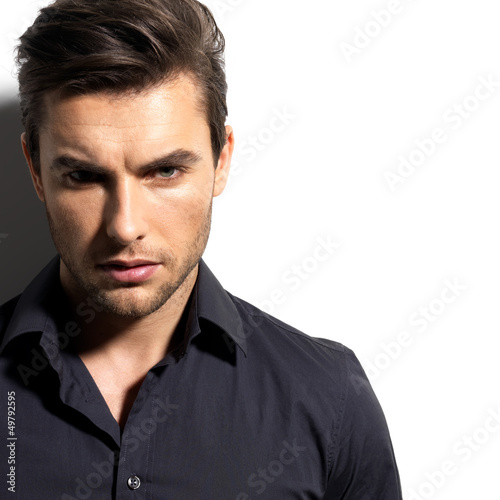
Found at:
(87, 46)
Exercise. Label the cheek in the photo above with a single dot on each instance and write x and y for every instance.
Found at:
(183, 212)
(74, 219)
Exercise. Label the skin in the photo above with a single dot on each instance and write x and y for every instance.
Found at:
(128, 211)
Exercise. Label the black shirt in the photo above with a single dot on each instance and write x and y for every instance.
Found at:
(246, 407)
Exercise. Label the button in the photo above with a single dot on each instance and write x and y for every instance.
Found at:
(133, 482)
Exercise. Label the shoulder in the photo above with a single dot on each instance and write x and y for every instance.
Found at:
(274, 339)
(324, 380)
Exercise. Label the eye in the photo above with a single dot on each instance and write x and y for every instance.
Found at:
(167, 172)
(82, 176)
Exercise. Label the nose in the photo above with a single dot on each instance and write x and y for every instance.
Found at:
(125, 215)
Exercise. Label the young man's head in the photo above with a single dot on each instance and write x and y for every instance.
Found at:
(124, 108)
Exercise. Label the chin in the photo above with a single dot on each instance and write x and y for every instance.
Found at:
(132, 302)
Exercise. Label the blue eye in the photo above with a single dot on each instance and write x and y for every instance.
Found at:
(167, 172)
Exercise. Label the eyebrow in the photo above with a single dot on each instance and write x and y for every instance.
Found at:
(179, 157)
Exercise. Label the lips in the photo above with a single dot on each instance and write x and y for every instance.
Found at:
(132, 271)
(129, 263)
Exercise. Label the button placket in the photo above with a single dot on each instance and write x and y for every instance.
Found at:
(133, 466)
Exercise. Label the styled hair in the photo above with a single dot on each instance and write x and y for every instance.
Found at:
(79, 47)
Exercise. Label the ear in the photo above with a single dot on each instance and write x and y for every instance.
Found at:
(35, 176)
(224, 163)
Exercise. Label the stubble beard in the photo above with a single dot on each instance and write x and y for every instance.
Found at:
(88, 287)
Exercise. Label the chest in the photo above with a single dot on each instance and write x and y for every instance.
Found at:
(168, 451)
(118, 387)
(197, 429)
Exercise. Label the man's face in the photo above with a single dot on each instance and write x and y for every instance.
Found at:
(129, 178)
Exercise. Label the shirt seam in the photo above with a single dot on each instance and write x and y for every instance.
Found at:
(335, 430)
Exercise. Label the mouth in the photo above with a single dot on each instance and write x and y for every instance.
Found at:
(129, 263)
(132, 271)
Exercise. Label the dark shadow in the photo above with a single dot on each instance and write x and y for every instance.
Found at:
(25, 242)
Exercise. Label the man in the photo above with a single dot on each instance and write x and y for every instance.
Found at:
(127, 370)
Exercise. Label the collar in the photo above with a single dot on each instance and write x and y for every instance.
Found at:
(33, 309)
(214, 304)
(39, 306)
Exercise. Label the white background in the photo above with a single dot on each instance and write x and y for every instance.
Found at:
(353, 112)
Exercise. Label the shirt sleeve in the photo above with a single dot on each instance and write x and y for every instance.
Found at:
(363, 466)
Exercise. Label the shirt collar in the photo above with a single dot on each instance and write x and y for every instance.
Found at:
(40, 304)
(214, 304)
(33, 309)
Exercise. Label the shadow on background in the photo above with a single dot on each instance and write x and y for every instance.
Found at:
(25, 242)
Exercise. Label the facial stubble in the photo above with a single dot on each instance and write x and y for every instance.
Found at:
(88, 287)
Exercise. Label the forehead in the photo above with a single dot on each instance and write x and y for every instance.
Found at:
(103, 124)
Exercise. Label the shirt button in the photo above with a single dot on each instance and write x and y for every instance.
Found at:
(133, 482)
